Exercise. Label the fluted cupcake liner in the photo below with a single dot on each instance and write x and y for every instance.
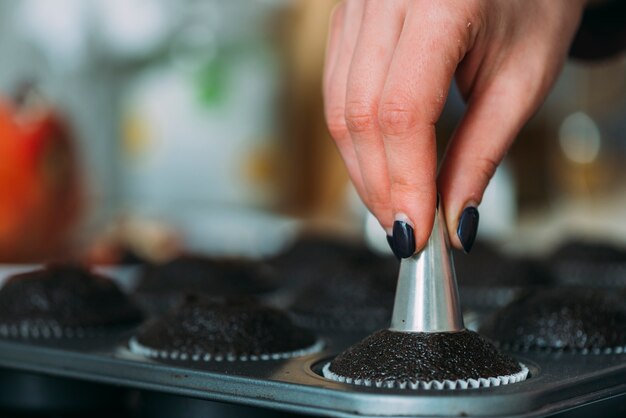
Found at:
(549, 350)
(50, 330)
(432, 384)
(138, 348)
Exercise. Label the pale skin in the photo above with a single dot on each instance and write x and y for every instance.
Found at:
(389, 66)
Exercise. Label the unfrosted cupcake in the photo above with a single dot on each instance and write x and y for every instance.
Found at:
(408, 360)
(162, 285)
(568, 319)
(352, 299)
(63, 301)
(589, 263)
(339, 284)
(489, 279)
(303, 261)
(204, 329)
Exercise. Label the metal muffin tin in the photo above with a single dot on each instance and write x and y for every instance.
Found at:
(558, 382)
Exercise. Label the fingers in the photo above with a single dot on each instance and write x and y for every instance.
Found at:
(418, 80)
(344, 30)
(379, 33)
(494, 115)
(335, 28)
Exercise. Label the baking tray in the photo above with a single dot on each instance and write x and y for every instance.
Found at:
(558, 381)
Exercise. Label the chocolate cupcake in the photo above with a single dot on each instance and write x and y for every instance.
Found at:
(63, 301)
(301, 263)
(406, 360)
(589, 263)
(204, 329)
(356, 298)
(561, 319)
(488, 278)
(161, 286)
(338, 283)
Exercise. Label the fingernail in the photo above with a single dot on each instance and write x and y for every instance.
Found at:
(468, 226)
(390, 242)
(403, 239)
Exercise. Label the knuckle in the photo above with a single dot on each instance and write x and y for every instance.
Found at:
(397, 117)
(360, 117)
(408, 191)
(404, 187)
(336, 123)
(486, 168)
(378, 203)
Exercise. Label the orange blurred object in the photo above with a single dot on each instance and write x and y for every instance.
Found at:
(40, 193)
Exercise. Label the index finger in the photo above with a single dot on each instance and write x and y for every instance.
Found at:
(419, 78)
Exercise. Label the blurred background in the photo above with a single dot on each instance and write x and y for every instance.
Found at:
(136, 127)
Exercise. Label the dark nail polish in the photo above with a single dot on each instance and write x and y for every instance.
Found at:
(390, 242)
(403, 239)
(468, 226)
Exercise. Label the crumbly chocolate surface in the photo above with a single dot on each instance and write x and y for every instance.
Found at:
(354, 297)
(199, 274)
(339, 284)
(236, 327)
(389, 356)
(561, 318)
(66, 295)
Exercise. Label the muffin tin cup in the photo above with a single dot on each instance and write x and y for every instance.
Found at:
(432, 384)
(149, 352)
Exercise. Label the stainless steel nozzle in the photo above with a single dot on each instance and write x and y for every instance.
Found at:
(427, 298)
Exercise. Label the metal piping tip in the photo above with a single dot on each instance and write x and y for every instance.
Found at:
(427, 298)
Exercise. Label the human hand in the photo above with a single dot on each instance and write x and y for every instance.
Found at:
(389, 66)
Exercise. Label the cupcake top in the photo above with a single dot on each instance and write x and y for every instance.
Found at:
(224, 328)
(66, 295)
(359, 297)
(311, 258)
(402, 357)
(562, 319)
(589, 263)
(579, 251)
(346, 299)
(486, 266)
(198, 274)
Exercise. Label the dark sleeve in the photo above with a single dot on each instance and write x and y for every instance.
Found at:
(602, 32)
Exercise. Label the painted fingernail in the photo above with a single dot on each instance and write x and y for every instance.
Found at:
(390, 242)
(403, 239)
(468, 227)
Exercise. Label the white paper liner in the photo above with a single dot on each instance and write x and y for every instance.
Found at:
(432, 384)
(138, 348)
(585, 351)
(51, 330)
